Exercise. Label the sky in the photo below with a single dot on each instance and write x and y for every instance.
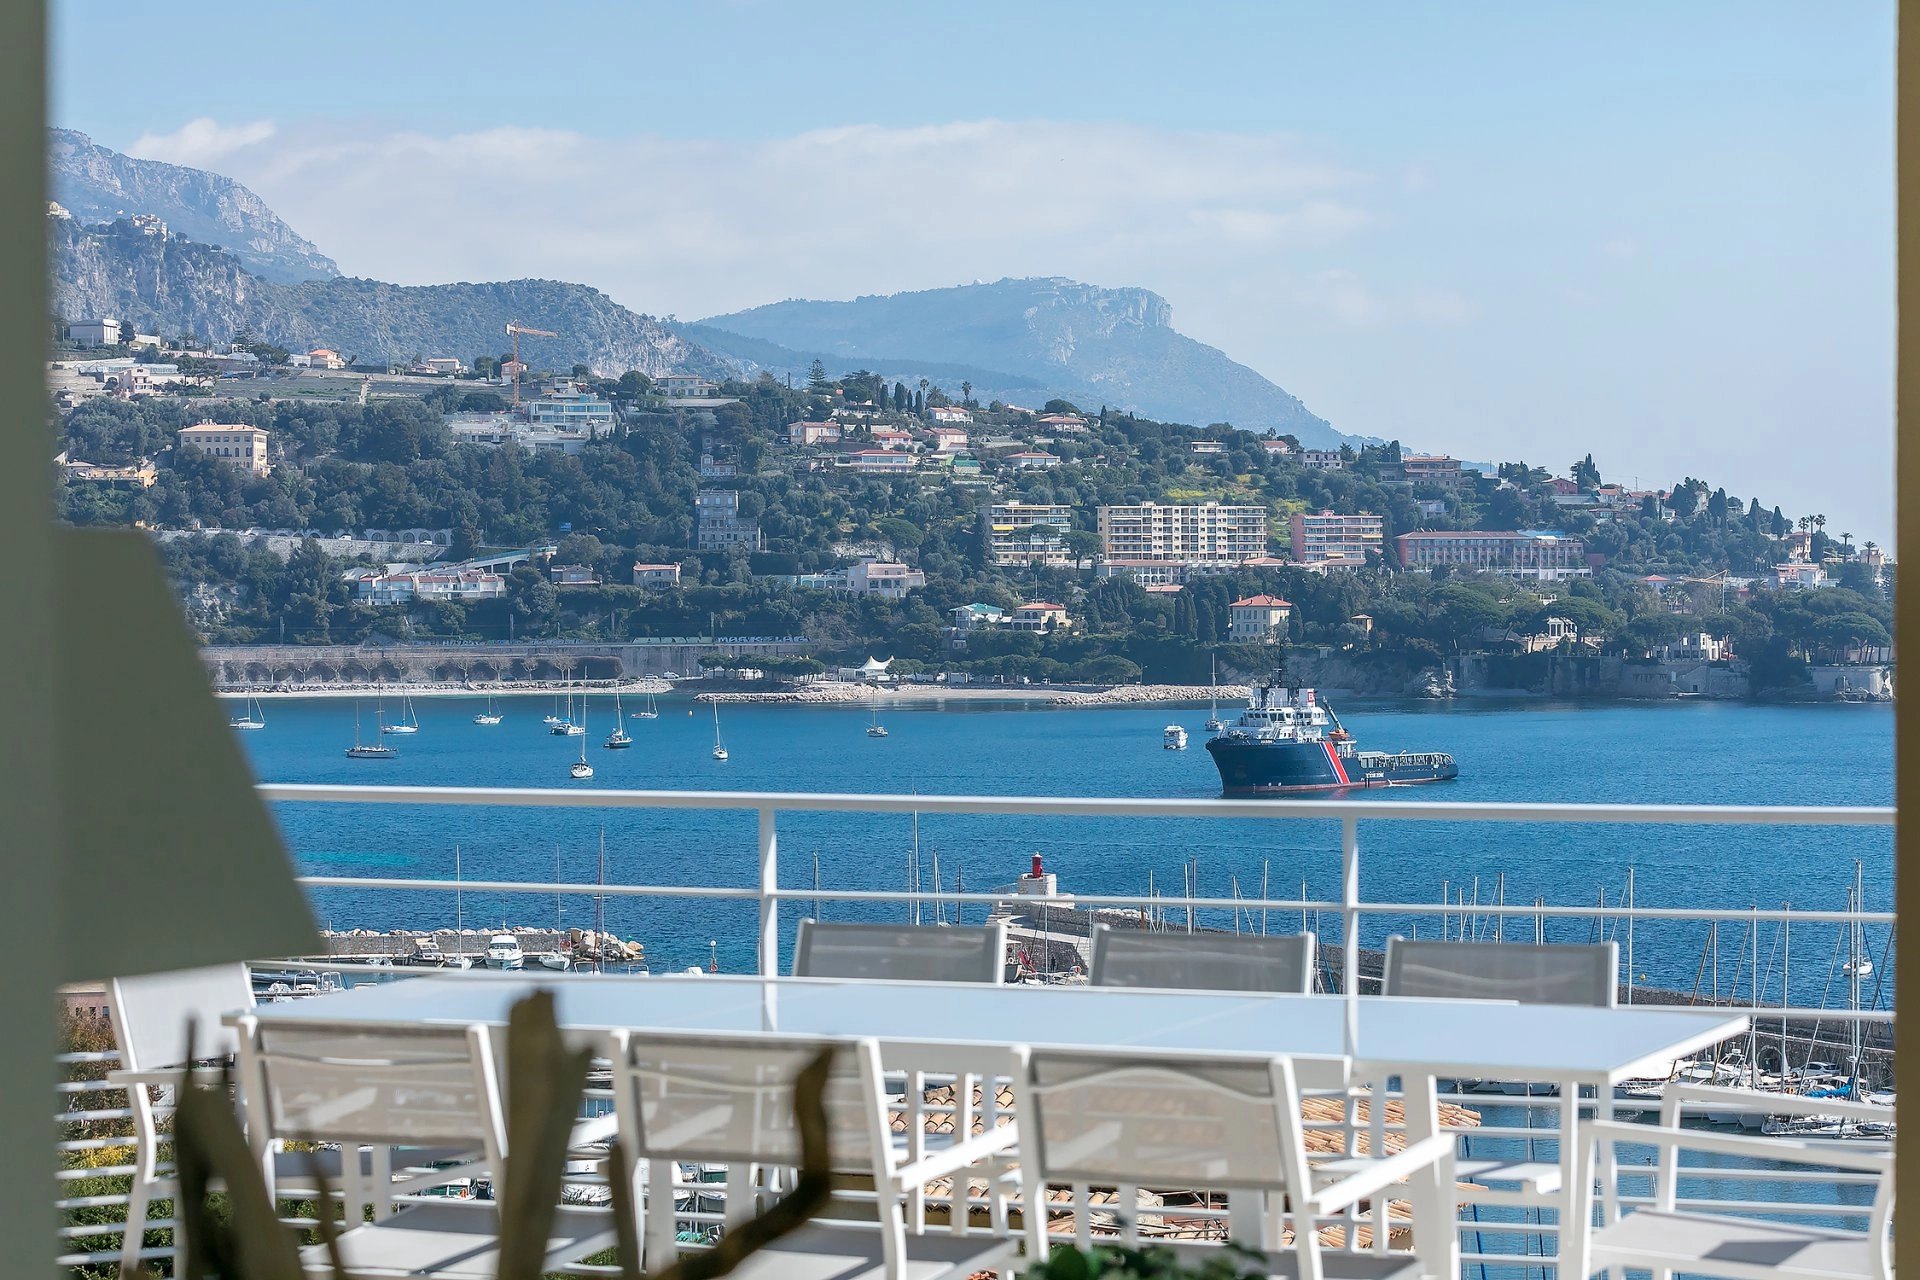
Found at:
(1662, 234)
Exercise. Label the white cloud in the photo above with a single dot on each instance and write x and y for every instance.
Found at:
(700, 226)
(202, 143)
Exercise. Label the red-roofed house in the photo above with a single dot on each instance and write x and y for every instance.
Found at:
(1258, 619)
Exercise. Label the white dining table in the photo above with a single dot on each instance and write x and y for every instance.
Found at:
(1574, 1048)
(1481, 1039)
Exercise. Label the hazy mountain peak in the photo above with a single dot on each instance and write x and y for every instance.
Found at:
(1088, 343)
(97, 184)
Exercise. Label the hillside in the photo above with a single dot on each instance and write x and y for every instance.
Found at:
(175, 285)
(1088, 344)
(756, 355)
(97, 184)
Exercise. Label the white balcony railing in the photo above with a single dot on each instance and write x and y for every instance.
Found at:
(1514, 1240)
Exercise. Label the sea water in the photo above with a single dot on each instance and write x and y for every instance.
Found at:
(1664, 753)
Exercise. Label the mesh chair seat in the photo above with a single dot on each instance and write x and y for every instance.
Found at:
(457, 1241)
(1285, 1264)
(900, 953)
(1202, 961)
(1530, 973)
(1722, 1246)
(824, 1251)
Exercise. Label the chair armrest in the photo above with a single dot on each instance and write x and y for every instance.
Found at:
(167, 1078)
(959, 1155)
(1690, 1096)
(1831, 1154)
(1382, 1173)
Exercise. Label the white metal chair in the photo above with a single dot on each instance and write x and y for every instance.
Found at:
(423, 1087)
(1530, 974)
(901, 953)
(1550, 973)
(151, 1015)
(1202, 961)
(1669, 1236)
(730, 1100)
(1112, 1120)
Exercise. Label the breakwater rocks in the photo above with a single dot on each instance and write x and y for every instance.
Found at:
(1138, 694)
(822, 693)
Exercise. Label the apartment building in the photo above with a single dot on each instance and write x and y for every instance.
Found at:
(1329, 535)
(1438, 468)
(1203, 534)
(1525, 553)
(718, 524)
(1026, 533)
(570, 408)
(236, 442)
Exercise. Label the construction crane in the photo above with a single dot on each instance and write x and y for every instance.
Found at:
(515, 329)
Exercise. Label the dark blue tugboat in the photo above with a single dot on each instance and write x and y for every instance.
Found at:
(1288, 741)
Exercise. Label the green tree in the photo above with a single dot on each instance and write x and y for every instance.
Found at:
(817, 378)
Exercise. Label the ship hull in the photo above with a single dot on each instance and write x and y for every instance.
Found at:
(1249, 767)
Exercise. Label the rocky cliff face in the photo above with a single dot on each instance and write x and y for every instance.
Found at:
(1088, 344)
(172, 285)
(97, 184)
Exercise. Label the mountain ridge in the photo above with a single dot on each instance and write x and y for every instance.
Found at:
(177, 285)
(1086, 343)
(98, 184)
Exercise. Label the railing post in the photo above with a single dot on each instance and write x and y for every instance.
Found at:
(1350, 905)
(769, 896)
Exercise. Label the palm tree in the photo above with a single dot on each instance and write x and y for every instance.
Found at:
(966, 393)
(1820, 523)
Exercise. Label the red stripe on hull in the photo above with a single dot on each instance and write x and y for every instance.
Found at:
(1330, 786)
(1333, 758)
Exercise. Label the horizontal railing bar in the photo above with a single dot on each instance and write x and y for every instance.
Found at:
(110, 1055)
(94, 1144)
(1073, 901)
(517, 886)
(111, 1255)
(1309, 810)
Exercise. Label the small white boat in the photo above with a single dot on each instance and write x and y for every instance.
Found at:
(490, 715)
(1173, 738)
(719, 748)
(250, 717)
(503, 952)
(652, 712)
(1214, 723)
(874, 728)
(554, 960)
(408, 721)
(427, 952)
(580, 768)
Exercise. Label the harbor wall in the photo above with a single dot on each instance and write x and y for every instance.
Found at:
(262, 667)
(1540, 675)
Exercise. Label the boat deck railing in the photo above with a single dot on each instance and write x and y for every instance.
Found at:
(1517, 1123)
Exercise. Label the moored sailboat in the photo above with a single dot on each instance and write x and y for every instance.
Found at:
(367, 750)
(408, 722)
(250, 717)
(719, 748)
(619, 737)
(580, 768)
